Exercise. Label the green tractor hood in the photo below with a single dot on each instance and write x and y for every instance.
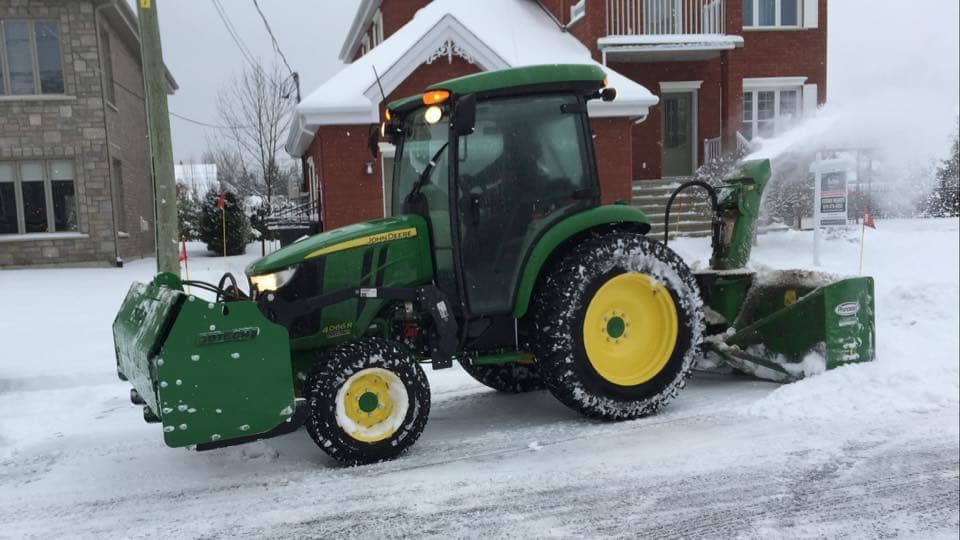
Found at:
(364, 234)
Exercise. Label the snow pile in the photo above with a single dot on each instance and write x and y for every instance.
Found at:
(916, 268)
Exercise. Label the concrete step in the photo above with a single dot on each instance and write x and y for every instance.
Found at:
(656, 216)
(683, 227)
(685, 206)
(691, 209)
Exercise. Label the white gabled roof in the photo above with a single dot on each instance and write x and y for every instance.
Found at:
(492, 34)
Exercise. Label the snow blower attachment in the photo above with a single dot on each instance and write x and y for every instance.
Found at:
(776, 325)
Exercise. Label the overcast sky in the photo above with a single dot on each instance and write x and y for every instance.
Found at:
(907, 50)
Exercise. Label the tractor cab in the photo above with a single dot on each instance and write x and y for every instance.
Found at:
(492, 161)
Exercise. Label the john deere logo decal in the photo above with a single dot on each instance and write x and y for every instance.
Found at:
(370, 240)
(848, 309)
(227, 336)
(337, 329)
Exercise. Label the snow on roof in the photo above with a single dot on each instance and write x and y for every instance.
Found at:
(494, 34)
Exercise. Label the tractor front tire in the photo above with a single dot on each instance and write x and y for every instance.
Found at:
(369, 401)
(514, 378)
(618, 321)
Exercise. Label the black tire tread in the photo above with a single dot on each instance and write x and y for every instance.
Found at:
(333, 368)
(556, 307)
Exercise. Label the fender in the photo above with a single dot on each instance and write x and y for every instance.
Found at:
(613, 214)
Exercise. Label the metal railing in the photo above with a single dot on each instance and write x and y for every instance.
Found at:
(712, 149)
(660, 17)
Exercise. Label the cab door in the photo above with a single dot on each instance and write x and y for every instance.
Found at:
(525, 167)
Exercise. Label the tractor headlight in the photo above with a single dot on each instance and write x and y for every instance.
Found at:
(272, 282)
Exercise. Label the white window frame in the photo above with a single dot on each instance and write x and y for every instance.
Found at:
(777, 14)
(365, 44)
(46, 166)
(376, 28)
(778, 126)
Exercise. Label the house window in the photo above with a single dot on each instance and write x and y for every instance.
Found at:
(109, 88)
(37, 197)
(771, 13)
(769, 112)
(30, 59)
(376, 29)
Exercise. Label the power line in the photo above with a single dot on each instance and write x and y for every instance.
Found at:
(276, 45)
(205, 124)
(235, 35)
(228, 24)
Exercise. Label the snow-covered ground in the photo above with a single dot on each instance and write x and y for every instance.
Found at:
(865, 450)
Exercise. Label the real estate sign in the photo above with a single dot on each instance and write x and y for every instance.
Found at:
(831, 192)
(832, 198)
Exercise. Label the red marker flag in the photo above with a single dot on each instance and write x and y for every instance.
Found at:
(183, 249)
(221, 201)
(868, 220)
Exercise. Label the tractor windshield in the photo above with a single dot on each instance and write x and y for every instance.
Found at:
(413, 173)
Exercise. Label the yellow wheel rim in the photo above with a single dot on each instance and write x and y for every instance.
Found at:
(371, 405)
(630, 329)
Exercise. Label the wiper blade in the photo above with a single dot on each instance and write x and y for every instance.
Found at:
(425, 175)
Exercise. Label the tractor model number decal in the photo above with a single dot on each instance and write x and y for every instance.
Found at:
(337, 329)
(227, 336)
(370, 240)
(847, 309)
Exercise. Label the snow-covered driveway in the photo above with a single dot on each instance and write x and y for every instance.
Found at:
(867, 450)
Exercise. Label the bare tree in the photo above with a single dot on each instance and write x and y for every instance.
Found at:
(256, 106)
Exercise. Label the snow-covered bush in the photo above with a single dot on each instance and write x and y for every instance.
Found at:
(188, 215)
(237, 224)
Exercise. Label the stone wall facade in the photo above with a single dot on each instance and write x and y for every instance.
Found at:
(79, 125)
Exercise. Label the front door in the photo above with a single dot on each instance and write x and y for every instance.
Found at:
(677, 129)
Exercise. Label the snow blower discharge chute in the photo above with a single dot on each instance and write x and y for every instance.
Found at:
(499, 256)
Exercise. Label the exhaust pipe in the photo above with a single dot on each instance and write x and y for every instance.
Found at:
(136, 398)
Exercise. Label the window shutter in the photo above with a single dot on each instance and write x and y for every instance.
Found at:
(809, 99)
(811, 13)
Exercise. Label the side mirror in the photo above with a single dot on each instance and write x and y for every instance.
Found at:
(373, 140)
(464, 115)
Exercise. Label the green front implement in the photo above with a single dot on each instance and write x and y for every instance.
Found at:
(209, 371)
(778, 325)
(789, 326)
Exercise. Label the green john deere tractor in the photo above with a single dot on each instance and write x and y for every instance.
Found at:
(498, 256)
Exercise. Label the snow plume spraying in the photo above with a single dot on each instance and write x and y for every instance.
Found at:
(893, 87)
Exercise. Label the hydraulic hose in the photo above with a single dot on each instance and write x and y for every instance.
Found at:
(713, 206)
(716, 223)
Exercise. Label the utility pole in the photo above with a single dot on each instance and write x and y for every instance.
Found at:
(158, 126)
(303, 159)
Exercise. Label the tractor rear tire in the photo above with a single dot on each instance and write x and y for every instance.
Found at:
(369, 401)
(512, 378)
(618, 321)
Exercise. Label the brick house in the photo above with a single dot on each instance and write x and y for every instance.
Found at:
(723, 72)
(75, 165)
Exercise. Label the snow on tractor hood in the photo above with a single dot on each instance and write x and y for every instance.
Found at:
(494, 34)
